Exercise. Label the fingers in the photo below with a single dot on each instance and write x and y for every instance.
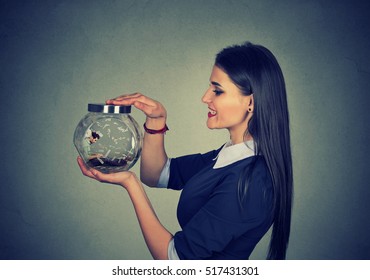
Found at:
(125, 96)
(128, 99)
(85, 171)
(120, 178)
(91, 172)
(148, 106)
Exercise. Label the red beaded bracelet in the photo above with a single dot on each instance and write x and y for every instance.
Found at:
(153, 131)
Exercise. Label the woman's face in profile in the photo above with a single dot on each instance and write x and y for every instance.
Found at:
(226, 103)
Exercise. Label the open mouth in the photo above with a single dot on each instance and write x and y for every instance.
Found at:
(211, 113)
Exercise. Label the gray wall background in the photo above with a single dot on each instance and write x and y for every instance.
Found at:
(57, 56)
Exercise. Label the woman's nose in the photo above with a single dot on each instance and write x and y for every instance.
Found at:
(206, 97)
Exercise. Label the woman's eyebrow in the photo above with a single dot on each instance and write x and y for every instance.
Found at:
(215, 84)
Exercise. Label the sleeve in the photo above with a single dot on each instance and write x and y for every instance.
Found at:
(171, 251)
(212, 229)
(165, 175)
(185, 167)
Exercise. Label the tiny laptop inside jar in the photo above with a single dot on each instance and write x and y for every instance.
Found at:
(108, 138)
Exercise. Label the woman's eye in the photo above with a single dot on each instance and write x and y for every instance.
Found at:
(217, 92)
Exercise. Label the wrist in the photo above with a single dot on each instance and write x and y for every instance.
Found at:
(129, 181)
(155, 123)
(156, 131)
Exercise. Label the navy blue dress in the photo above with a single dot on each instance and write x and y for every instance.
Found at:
(214, 224)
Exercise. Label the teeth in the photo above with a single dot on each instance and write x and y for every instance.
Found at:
(212, 112)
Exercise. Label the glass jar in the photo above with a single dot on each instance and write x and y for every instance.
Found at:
(108, 138)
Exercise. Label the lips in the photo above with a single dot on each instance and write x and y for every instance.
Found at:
(211, 113)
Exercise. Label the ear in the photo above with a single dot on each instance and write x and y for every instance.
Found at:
(250, 107)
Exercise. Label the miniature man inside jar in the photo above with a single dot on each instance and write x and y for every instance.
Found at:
(231, 195)
(91, 138)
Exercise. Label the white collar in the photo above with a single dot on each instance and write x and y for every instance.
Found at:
(232, 153)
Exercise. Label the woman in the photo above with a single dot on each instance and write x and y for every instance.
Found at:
(230, 196)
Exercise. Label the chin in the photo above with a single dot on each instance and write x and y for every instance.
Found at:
(211, 126)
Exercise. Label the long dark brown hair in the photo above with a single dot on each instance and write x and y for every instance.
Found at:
(255, 70)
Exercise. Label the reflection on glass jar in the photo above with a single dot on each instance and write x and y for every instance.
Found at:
(108, 138)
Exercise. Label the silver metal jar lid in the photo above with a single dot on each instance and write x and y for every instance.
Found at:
(112, 109)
